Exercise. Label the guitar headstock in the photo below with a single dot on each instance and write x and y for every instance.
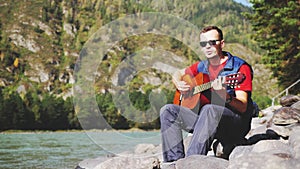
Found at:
(233, 80)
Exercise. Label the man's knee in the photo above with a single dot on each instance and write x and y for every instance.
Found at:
(209, 108)
(211, 112)
(166, 112)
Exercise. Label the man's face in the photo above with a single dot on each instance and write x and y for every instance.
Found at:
(211, 45)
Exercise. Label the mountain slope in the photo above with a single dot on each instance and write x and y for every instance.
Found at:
(45, 37)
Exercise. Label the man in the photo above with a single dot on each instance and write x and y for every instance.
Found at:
(226, 118)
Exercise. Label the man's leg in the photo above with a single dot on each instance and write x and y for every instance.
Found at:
(205, 129)
(173, 119)
(231, 131)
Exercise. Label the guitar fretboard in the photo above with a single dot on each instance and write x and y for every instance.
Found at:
(202, 87)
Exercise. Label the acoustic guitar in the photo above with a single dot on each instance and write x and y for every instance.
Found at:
(201, 83)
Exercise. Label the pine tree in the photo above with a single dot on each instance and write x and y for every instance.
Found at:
(276, 25)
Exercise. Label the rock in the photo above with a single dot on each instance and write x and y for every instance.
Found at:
(296, 105)
(239, 151)
(268, 154)
(168, 166)
(283, 131)
(147, 149)
(257, 130)
(91, 163)
(201, 162)
(186, 141)
(286, 115)
(29, 44)
(273, 147)
(21, 89)
(44, 27)
(258, 161)
(69, 29)
(294, 141)
(129, 162)
(289, 100)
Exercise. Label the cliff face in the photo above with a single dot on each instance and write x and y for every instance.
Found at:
(41, 40)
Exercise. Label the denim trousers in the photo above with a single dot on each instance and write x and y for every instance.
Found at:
(213, 121)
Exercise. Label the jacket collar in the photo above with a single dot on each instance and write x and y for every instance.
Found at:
(228, 66)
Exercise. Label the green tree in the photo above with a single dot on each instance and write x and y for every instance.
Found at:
(14, 113)
(110, 112)
(22, 118)
(68, 107)
(53, 116)
(33, 102)
(276, 25)
(5, 115)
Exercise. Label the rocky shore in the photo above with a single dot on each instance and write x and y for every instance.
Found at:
(276, 145)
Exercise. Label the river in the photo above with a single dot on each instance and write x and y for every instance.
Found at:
(60, 150)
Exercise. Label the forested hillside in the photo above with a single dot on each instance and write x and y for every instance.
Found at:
(41, 40)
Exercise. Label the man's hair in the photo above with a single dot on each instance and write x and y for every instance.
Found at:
(208, 28)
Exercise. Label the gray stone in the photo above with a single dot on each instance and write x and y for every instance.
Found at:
(257, 161)
(281, 130)
(294, 141)
(69, 29)
(186, 141)
(201, 162)
(291, 164)
(168, 166)
(129, 162)
(289, 100)
(91, 163)
(240, 151)
(29, 44)
(147, 149)
(296, 106)
(286, 116)
(272, 146)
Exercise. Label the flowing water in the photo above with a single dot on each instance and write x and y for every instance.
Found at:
(59, 150)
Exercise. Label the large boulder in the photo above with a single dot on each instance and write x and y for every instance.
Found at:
(286, 115)
(294, 141)
(201, 162)
(129, 162)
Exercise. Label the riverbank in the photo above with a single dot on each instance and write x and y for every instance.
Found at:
(63, 131)
(275, 144)
(61, 149)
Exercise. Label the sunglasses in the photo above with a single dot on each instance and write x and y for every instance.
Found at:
(210, 42)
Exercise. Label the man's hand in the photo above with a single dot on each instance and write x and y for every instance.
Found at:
(181, 85)
(219, 88)
(217, 84)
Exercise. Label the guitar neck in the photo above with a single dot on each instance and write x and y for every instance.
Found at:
(201, 88)
(205, 86)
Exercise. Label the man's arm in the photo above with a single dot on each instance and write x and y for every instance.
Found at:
(239, 102)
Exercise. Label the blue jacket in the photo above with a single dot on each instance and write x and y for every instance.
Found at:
(232, 65)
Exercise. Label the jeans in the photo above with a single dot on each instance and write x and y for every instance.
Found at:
(212, 122)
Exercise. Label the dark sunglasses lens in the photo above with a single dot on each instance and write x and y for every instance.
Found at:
(212, 42)
(203, 44)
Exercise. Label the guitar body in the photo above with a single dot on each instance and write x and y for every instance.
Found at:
(199, 93)
(188, 99)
